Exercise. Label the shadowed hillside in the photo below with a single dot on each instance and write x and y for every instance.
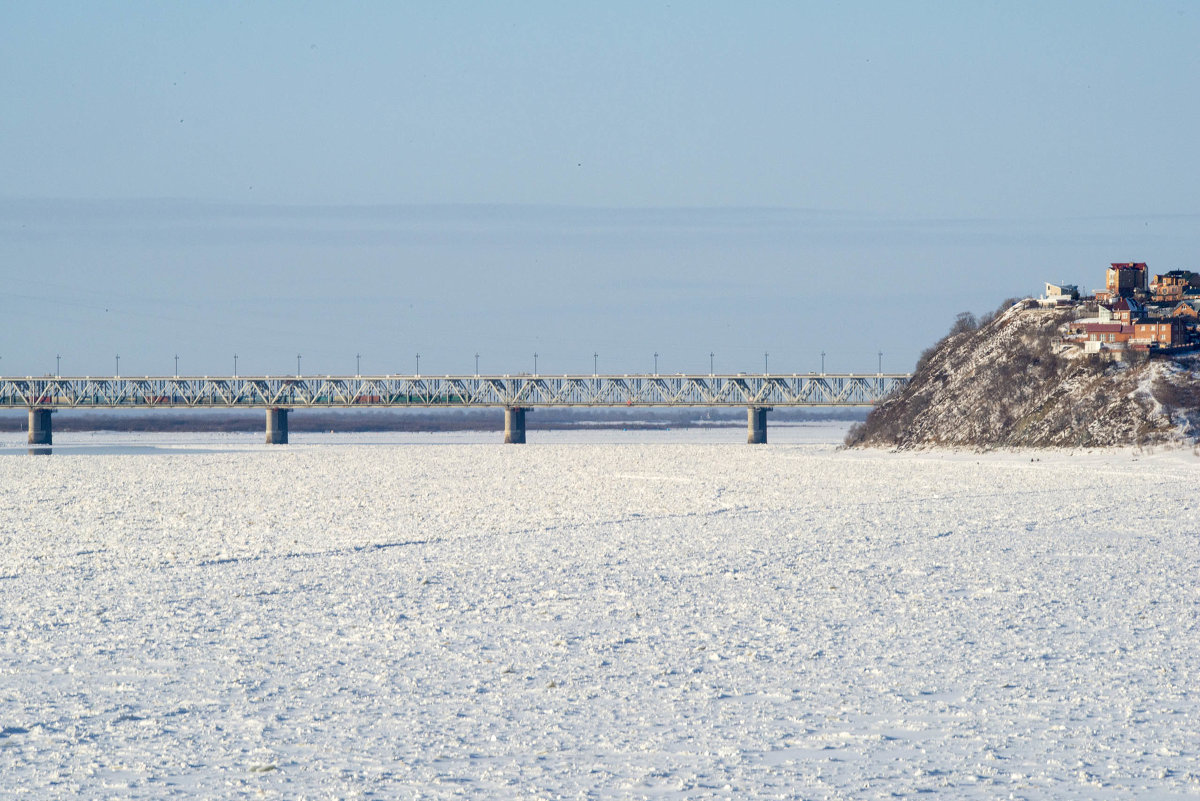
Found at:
(1009, 381)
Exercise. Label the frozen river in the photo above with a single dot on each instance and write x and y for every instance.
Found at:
(597, 614)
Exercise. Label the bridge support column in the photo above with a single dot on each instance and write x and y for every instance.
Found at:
(756, 425)
(277, 426)
(514, 425)
(40, 430)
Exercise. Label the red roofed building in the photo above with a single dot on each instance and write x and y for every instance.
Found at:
(1125, 278)
(1108, 332)
(1122, 310)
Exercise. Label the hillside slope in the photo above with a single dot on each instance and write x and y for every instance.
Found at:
(1011, 383)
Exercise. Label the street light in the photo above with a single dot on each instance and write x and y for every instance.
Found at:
(535, 363)
(595, 364)
(822, 362)
(881, 362)
(118, 372)
(418, 364)
(357, 364)
(765, 370)
(711, 356)
(477, 365)
(656, 362)
(58, 365)
(297, 365)
(235, 365)
(177, 365)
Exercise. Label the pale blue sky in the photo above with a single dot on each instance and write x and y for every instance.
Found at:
(388, 178)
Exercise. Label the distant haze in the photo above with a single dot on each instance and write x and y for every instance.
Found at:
(569, 179)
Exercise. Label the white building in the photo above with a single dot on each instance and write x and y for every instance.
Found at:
(1057, 294)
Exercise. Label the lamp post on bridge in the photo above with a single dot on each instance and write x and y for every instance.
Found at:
(235, 365)
(880, 362)
(58, 365)
(765, 370)
(477, 365)
(357, 365)
(297, 365)
(535, 363)
(118, 371)
(177, 365)
(711, 357)
(822, 362)
(418, 364)
(595, 364)
(656, 362)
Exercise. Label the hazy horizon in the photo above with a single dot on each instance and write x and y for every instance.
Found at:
(623, 178)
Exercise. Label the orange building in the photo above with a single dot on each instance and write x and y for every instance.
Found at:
(1173, 285)
(1108, 332)
(1185, 309)
(1165, 331)
(1126, 278)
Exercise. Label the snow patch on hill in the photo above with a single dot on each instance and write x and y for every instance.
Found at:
(1013, 382)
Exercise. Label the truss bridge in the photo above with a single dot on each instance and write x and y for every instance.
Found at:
(516, 394)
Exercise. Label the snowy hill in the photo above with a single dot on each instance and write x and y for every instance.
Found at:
(1012, 382)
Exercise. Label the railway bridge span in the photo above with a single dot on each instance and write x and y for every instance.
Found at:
(759, 393)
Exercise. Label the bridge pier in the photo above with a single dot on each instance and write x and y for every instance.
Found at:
(277, 426)
(514, 425)
(40, 430)
(756, 425)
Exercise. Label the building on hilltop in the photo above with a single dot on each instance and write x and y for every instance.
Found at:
(1134, 315)
(1165, 333)
(1122, 310)
(1174, 285)
(1110, 336)
(1141, 335)
(1059, 294)
(1126, 278)
(1185, 309)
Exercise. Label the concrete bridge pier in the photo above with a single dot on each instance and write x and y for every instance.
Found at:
(514, 425)
(40, 430)
(277, 426)
(756, 425)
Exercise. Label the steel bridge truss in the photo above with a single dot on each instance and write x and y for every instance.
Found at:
(527, 391)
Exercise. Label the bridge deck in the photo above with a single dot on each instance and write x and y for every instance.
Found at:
(509, 391)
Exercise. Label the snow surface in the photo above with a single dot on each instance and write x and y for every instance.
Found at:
(670, 615)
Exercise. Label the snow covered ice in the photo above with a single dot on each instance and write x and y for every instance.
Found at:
(641, 615)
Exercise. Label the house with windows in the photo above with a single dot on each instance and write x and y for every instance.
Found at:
(1126, 278)
(1143, 333)
(1132, 313)
(1059, 295)
(1164, 332)
(1111, 334)
(1184, 309)
(1174, 285)
(1122, 310)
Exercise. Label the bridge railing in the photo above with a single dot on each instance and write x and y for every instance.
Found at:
(508, 391)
